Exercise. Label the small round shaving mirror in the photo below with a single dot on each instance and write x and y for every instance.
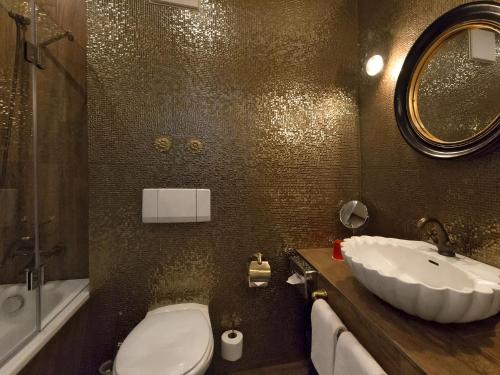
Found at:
(354, 215)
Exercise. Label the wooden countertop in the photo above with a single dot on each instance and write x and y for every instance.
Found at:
(401, 343)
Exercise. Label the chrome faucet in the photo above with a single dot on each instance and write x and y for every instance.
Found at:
(22, 246)
(25, 247)
(438, 235)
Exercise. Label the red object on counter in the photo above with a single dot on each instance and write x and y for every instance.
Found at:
(337, 253)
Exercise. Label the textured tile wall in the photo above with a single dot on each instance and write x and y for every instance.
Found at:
(399, 184)
(270, 89)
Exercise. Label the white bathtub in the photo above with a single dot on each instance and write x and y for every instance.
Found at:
(60, 301)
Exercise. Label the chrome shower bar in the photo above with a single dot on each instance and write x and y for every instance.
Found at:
(36, 54)
(66, 34)
(19, 18)
(33, 53)
(188, 4)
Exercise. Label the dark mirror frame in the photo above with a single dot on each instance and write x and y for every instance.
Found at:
(476, 12)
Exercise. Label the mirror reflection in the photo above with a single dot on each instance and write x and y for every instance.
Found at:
(354, 214)
(463, 74)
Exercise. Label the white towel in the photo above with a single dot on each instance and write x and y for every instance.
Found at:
(326, 328)
(352, 358)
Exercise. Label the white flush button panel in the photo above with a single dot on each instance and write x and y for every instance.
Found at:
(482, 45)
(193, 4)
(150, 206)
(202, 205)
(175, 205)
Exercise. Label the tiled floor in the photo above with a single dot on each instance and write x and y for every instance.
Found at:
(294, 368)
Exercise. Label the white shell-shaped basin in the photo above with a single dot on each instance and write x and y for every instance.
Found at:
(413, 277)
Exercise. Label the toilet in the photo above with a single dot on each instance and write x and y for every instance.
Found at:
(170, 340)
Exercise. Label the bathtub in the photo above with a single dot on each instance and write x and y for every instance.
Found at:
(60, 301)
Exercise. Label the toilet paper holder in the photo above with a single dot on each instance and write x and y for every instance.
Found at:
(259, 272)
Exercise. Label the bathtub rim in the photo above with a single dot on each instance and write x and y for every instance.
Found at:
(40, 338)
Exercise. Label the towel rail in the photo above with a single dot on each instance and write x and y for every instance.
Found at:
(319, 294)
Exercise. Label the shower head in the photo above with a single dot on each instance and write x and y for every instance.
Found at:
(20, 19)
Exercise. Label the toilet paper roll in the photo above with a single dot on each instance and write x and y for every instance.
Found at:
(232, 345)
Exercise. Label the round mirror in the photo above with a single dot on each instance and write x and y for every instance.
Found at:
(470, 91)
(447, 95)
(354, 215)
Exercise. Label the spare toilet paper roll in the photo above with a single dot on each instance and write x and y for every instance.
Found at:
(232, 345)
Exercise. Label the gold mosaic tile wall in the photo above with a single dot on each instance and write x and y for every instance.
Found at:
(399, 184)
(269, 88)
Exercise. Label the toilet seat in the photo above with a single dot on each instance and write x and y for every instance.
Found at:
(174, 340)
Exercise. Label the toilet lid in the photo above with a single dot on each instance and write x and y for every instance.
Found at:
(165, 343)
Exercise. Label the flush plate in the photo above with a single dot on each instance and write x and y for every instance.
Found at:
(176, 205)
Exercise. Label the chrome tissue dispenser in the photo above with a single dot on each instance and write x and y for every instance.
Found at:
(259, 272)
(299, 266)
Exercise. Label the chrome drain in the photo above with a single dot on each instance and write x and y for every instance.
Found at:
(13, 304)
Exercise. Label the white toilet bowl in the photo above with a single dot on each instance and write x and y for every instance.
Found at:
(170, 340)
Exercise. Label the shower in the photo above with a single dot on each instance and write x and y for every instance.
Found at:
(43, 194)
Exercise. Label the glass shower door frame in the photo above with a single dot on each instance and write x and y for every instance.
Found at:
(34, 276)
(38, 271)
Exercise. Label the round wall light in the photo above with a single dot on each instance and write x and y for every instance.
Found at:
(374, 65)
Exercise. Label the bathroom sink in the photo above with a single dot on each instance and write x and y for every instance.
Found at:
(413, 277)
